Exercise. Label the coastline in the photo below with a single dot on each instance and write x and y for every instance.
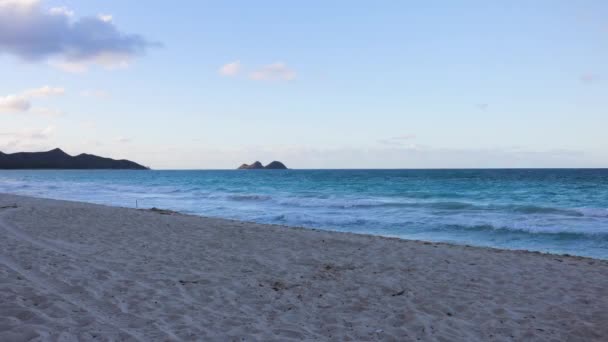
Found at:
(407, 204)
(87, 271)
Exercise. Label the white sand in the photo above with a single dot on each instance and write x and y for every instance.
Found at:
(74, 271)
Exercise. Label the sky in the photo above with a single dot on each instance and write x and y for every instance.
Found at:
(314, 84)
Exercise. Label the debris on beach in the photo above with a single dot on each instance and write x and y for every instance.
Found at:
(400, 293)
(162, 211)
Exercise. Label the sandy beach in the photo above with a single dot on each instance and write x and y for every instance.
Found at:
(74, 271)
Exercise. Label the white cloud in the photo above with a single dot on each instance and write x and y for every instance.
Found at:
(33, 33)
(402, 140)
(88, 125)
(45, 91)
(95, 93)
(105, 17)
(21, 5)
(61, 11)
(123, 140)
(71, 67)
(31, 134)
(22, 102)
(47, 111)
(274, 72)
(14, 103)
(42, 134)
(590, 78)
(230, 69)
(107, 60)
(27, 139)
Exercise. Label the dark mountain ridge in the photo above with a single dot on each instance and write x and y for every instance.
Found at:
(255, 166)
(275, 165)
(57, 159)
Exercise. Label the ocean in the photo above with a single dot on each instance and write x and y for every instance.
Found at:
(548, 210)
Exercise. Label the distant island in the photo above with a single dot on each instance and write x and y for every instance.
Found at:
(57, 159)
(275, 165)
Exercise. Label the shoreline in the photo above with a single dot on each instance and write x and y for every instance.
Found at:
(136, 274)
(328, 230)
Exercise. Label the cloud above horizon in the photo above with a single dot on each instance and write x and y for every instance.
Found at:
(22, 102)
(95, 93)
(33, 33)
(50, 112)
(230, 69)
(123, 140)
(589, 78)
(398, 140)
(278, 71)
(27, 139)
(339, 157)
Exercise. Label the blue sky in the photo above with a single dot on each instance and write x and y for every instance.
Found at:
(318, 84)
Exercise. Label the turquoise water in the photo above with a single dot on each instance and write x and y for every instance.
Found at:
(560, 211)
